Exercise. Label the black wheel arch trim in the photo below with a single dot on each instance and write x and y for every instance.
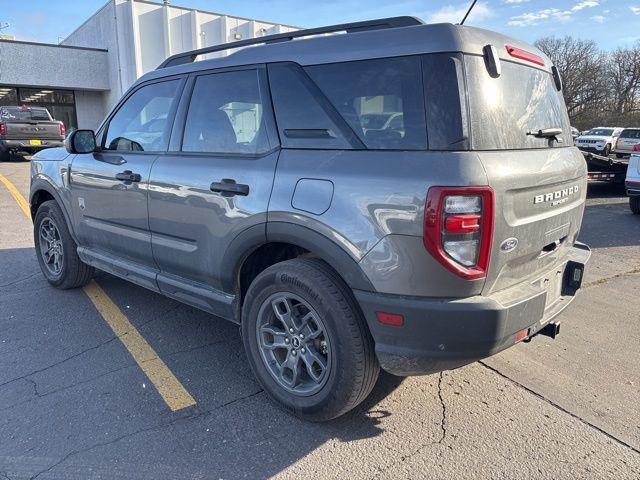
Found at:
(39, 185)
(257, 235)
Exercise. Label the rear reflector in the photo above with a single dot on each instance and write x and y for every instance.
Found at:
(524, 55)
(521, 335)
(392, 319)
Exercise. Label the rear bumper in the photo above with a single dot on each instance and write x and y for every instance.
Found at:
(24, 145)
(442, 333)
(633, 187)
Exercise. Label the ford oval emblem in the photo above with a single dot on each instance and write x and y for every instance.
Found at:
(509, 244)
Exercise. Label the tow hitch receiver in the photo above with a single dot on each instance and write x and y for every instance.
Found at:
(551, 330)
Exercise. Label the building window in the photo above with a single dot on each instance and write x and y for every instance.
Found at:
(60, 103)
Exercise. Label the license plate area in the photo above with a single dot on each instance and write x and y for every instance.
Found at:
(35, 142)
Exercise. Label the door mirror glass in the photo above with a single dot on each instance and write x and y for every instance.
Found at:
(81, 141)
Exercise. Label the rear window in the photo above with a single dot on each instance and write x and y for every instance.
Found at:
(504, 109)
(24, 114)
(630, 134)
(381, 100)
(601, 132)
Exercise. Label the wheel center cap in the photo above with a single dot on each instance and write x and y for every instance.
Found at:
(295, 341)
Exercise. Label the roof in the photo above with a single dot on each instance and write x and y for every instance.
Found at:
(361, 45)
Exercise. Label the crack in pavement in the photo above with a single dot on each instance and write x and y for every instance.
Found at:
(159, 426)
(443, 418)
(20, 280)
(606, 280)
(104, 374)
(95, 347)
(440, 441)
(561, 408)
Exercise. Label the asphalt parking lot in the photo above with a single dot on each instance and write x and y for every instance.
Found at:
(75, 403)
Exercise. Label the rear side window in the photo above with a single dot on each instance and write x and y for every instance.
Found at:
(630, 134)
(446, 101)
(381, 100)
(141, 123)
(226, 115)
(305, 118)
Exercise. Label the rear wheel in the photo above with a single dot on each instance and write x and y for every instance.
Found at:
(56, 250)
(634, 204)
(5, 155)
(306, 340)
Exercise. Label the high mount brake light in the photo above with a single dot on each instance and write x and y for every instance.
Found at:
(458, 229)
(524, 55)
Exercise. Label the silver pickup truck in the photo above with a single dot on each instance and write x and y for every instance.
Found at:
(28, 130)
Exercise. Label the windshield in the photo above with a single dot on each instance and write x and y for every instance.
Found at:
(24, 114)
(601, 132)
(503, 110)
(630, 134)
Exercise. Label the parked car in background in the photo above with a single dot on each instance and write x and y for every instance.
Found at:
(575, 133)
(599, 140)
(629, 138)
(26, 130)
(632, 183)
(247, 186)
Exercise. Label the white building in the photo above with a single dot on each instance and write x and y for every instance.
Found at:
(80, 79)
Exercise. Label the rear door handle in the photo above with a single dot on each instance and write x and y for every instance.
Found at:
(128, 176)
(229, 188)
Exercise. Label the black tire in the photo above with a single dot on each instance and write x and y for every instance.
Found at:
(619, 155)
(353, 366)
(634, 204)
(607, 150)
(73, 272)
(5, 156)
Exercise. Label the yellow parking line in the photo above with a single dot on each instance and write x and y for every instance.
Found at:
(174, 394)
(169, 387)
(24, 205)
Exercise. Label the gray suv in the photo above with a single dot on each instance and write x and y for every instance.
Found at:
(249, 186)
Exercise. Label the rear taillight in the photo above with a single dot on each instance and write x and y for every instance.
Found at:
(3, 128)
(63, 130)
(636, 148)
(458, 229)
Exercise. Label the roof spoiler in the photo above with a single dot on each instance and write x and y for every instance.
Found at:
(393, 22)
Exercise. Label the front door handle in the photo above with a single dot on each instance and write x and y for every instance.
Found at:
(128, 176)
(228, 187)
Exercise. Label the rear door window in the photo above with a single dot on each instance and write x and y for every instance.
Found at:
(226, 115)
(520, 100)
(381, 100)
(24, 114)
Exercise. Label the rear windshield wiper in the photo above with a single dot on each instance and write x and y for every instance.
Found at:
(545, 132)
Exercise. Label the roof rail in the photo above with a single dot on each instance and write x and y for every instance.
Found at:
(393, 22)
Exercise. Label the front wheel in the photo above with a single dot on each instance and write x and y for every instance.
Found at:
(607, 150)
(56, 250)
(307, 342)
(634, 204)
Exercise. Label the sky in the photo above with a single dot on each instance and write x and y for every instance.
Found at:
(611, 23)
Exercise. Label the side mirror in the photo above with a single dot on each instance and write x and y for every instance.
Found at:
(81, 141)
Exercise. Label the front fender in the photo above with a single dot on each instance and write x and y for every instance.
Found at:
(41, 183)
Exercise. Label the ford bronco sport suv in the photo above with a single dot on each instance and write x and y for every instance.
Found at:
(247, 186)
